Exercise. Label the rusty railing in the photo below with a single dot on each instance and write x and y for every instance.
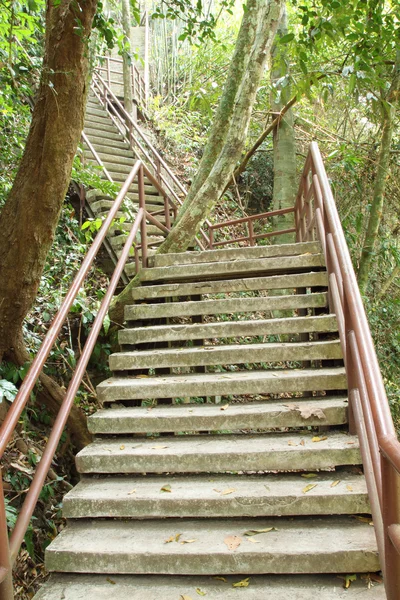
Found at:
(9, 548)
(109, 67)
(369, 413)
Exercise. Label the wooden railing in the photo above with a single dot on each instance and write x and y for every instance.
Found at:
(369, 413)
(9, 549)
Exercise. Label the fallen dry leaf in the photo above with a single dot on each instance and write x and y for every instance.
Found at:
(251, 532)
(142, 376)
(228, 491)
(309, 475)
(243, 583)
(131, 492)
(122, 447)
(224, 407)
(319, 439)
(173, 538)
(185, 597)
(232, 542)
(166, 488)
(221, 579)
(200, 592)
(159, 447)
(308, 411)
(347, 580)
(110, 580)
(335, 483)
(291, 443)
(349, 488)
(309, 487)
(188, 541)
(250, 539)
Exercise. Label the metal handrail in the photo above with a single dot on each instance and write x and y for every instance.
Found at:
(9, 550)
(137, 81)
(369, 412)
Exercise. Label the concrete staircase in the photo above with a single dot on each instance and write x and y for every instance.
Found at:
(222, 463)
(118, 158)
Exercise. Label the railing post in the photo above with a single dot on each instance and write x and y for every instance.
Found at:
(391, 516)
(6, 586)
(211, 236)
(143, 228)
(158, 165)
(350, 369)
(251, 232)
(108, 72)
(167, 215)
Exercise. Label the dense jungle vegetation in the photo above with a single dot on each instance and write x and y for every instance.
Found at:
(339, 63)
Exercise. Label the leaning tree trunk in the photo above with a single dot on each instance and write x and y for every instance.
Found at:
(126, 59)
(375, 215)
(263, 17)
(30, 215)
(284, 191)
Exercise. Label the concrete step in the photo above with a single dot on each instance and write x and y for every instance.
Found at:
(304, 545)
(219, 454)
(298, 412)
(106, 126)
(109, 157)
(96, 110)
(225, 306)
(195, 385)
(226, 269)
(249, 253)
(224, 496)
(278, 587)
(118, 241)
(102, 118)
(226, 354)
(273, 282)
(116, 146)
(107, 204)
(110, 134)
(224, 329)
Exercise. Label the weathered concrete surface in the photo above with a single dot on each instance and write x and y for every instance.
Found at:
(227, 329)
(224, 254)
(301, 545)
(227, 354)
(222, 384)
(221, 496)
(225, 306)
(120, 587)
(232, 267)
(210, 417)
(220, 453)
(273, 282)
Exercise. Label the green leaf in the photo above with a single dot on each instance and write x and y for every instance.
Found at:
(7, 390)
(285, 39)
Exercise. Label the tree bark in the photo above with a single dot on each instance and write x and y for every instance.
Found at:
(375, 215)
(31, 212)
(284, 191)
(126, 59)
(263, 18)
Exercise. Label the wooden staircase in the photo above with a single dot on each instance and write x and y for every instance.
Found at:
(222, 464)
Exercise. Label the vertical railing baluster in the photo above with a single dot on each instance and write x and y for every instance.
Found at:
(251, 232)
(167, 215)
(6, 586)
(391, 516)
(143, 226)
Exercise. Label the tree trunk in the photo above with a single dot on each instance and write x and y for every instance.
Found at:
(263, 19)
(223, 116)
(30, 215)
(375, 216)
(284, 191)
(126, 59)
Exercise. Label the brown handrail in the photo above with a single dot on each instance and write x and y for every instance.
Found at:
(9, 550)
(317, 218)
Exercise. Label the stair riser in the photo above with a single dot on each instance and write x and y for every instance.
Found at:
(109, 135)
(253, 384)
(250, 253)
(220, 463)
(117, 147)
(228, 329)
(113, 158)
(220, 307)
(218, 355)
(106, 127)
(238, 267)
(318, 279)
(116, 424)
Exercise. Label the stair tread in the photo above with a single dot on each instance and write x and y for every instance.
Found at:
(210, 417)
(136, 587)
(226, 354)
(318, 278)
(226, 254)
(218, 384)
(301, 545)
(226, 268)
(228, 329)
(219, 453)
(340, 492)
(226, 305)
